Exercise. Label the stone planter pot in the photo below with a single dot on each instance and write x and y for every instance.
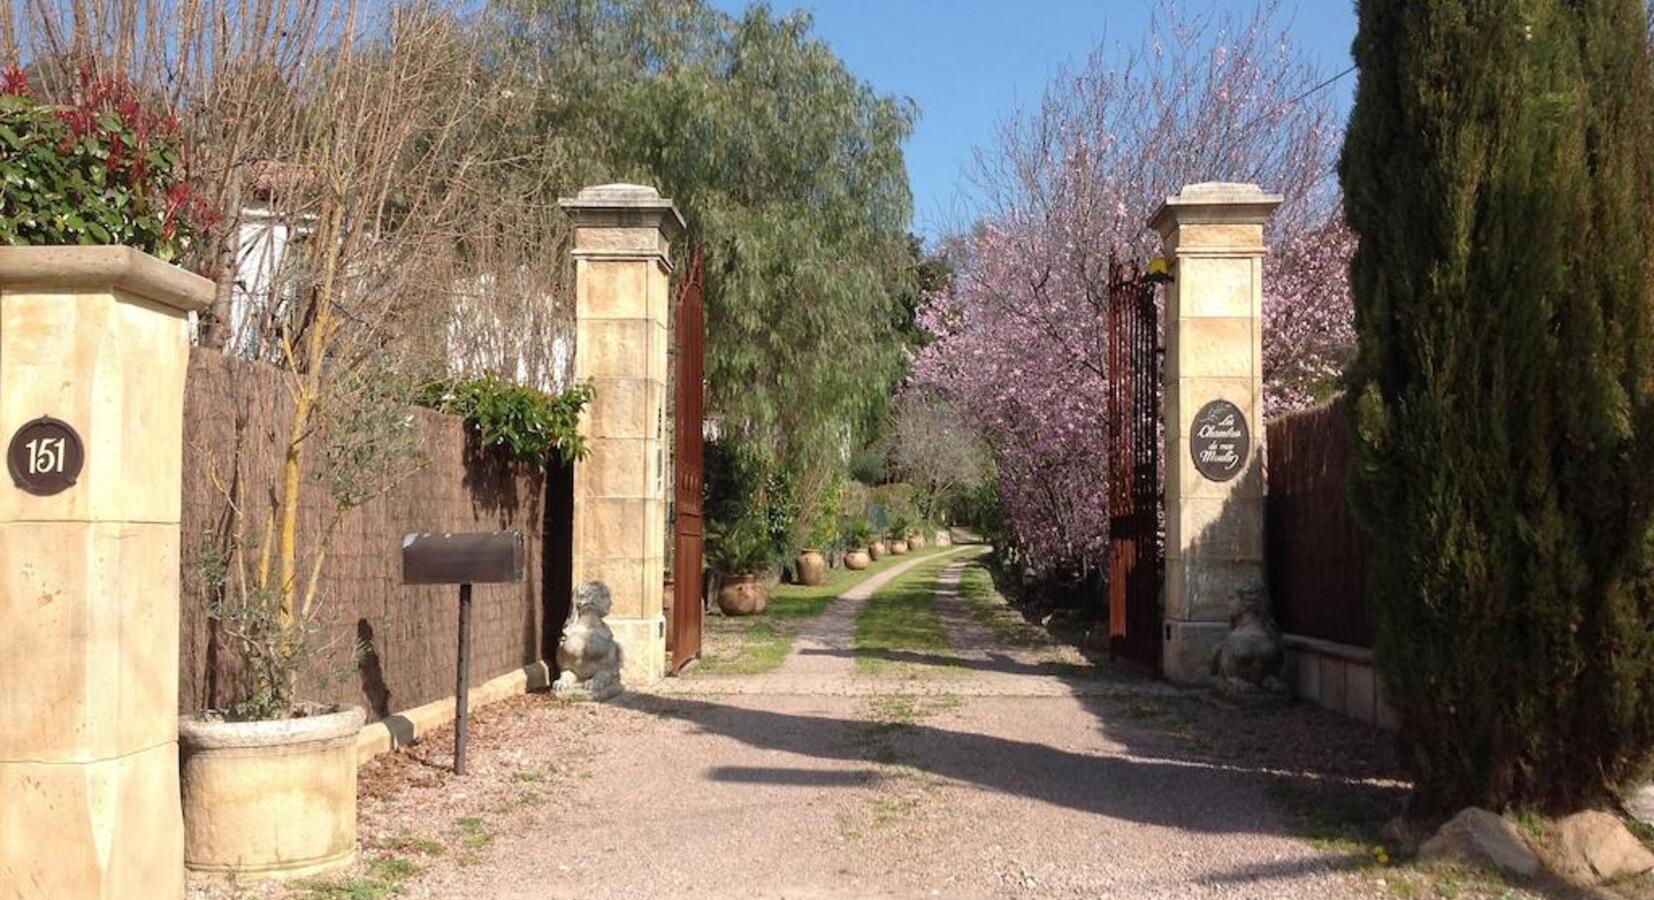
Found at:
(743, 595)
(812, 568)
(898, 548)
(915, 541)
(878, 550)
(856, 560)
(944, 538)
(270, 799)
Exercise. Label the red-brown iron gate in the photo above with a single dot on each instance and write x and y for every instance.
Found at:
(689, 465)
(1136, 536)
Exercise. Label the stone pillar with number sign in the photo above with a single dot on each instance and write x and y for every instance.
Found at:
(622, 241)
(1213, 408)
(94, 345)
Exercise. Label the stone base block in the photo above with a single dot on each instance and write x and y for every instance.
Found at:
(1337, 677)
(103, 830)
(642, 649)
(1187, 649)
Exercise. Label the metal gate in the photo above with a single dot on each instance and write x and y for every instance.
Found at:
(1136, 532)
(689, 464)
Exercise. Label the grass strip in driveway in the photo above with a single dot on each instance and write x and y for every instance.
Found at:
(992, 611)
(899, 626)
(753, 645)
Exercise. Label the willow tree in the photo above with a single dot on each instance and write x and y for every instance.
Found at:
(1497, 173)
(789, 171)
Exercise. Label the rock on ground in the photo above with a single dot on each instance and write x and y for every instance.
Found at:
(1477, 836)
(1640, 804)
(1598, 847)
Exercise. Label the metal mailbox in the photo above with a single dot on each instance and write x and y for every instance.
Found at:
(467, 558)
(483, 557)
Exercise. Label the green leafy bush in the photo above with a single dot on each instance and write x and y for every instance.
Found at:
(826, 524)
(869, 466)
(101, 169)
(742, 548)
(857, 534)
(528, 424)
(901, 525)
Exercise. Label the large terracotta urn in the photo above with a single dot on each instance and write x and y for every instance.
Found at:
(878, 550)
(743, 595)
(270, 799)
(812, 568)
(898, 548)
(856, 560)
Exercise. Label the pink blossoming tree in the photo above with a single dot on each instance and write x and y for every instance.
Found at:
(1020, 336)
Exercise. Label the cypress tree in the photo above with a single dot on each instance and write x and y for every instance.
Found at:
(1499, 170)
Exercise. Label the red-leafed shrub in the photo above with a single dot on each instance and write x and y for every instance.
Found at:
(102, 168)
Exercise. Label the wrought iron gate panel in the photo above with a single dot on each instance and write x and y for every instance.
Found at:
(1136, 534)
(689, 468)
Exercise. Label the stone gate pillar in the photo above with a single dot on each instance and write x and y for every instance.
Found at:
(622, 240)
(1213, 410)
(96, 339)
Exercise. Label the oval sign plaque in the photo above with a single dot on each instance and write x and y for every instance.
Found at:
(45, 456)
(1219, 441)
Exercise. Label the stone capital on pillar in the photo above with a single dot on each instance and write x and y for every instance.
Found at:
(623, 237)
(1227, 217)
(1214, 241)
(623, 221)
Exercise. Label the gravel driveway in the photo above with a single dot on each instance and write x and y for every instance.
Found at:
(1004, 776)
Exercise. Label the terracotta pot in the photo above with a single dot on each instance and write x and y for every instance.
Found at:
(270, 799)
(944, 538)
(856, 560)
(878, 550)
(743, 595)
(915, 541)
(898, 548)
(812, 568)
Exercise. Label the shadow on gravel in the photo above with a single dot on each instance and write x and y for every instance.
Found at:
(1160, 786)
(795, 777)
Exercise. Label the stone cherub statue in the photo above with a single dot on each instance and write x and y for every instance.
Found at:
(588, 657)
(1248, 662)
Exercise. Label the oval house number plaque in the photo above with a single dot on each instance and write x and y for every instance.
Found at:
(1219, 441)
(45, 456)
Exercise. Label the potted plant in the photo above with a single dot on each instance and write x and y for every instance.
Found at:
(899, 530)
(824, 532)
(742, 556)
(812, 567)
(266, 755)
(857, 556)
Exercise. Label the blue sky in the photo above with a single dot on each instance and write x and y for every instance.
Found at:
(968, 63)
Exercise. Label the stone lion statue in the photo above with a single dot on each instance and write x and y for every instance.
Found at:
(1249, 659)
(588, 657)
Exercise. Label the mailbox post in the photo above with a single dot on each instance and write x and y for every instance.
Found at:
(489, 557)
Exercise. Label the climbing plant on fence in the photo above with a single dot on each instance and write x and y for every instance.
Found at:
(529, 425)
